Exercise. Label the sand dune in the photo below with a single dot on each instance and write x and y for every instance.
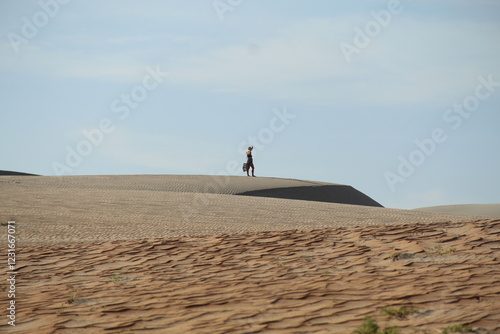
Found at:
(191, 254)
(100, 208)
(227, 185)
(486, 210)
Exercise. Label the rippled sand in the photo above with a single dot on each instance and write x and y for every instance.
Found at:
(98, 256)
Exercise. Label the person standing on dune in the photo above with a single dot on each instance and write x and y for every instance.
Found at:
(250, 162)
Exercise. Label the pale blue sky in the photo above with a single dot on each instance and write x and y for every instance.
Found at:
(230, 72)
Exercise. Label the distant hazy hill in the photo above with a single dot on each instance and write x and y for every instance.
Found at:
(486, 210)
(8, 172)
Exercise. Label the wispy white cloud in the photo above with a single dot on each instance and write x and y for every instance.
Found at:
(412, 60)
(409, 62)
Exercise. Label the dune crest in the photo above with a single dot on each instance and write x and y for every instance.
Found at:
(221, 185)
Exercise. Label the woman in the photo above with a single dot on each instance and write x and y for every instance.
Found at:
(250, 162)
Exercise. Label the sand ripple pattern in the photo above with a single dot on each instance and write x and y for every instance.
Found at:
(314, 281)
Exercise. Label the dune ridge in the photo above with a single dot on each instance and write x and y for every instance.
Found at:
(13, 173)
(222, 185)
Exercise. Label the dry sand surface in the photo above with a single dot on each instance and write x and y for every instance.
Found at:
(177, 254)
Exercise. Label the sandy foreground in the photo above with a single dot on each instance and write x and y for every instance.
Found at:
(117, 259)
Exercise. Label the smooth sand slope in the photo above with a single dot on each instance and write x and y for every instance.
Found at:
(487, 210)
(190, 254)
(221, 185)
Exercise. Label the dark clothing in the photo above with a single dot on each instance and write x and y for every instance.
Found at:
(250, 162)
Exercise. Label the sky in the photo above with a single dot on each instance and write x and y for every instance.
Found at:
(398, 98)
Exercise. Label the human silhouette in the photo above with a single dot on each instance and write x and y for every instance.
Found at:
(250, 161)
